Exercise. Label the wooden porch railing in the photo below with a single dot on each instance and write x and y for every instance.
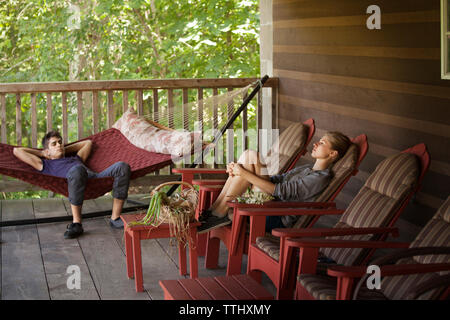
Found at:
(88, 107)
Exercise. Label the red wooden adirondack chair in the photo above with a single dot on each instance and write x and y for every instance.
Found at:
(293, 149)
(235, 236)
(416, 276)
(371, 215)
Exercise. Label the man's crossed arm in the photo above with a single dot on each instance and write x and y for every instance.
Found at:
(33, 157)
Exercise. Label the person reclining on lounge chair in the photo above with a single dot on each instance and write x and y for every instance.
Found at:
(51, 160)
(303, 183)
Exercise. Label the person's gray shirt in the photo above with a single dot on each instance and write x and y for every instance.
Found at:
(299, 184)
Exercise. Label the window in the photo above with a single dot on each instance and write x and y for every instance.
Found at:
(445, 39)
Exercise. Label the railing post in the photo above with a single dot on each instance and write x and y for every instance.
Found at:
(95, 112)
(155, 105)
(185, 109)
(200, 119)
(49, 112)
(18, 119)
(65, 121)
(215, 127)
(259, 116)
(244, 129)
(34, 121)
(80, 114)
(125, 100)
(230, 132)
(170, 107)
(3, 117)
(110, 111)
(139, 101)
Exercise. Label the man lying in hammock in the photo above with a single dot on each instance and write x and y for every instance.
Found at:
(52, 160)
(303, 183)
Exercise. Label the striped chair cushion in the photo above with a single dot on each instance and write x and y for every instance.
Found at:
(377, 202)
(395, 176)
(270, 245)
(340, 171)
(286, 147)
(436, 233)
(322, 287)
(398, 287)
(345, 256)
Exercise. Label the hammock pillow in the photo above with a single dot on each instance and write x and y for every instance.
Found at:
(146, 136)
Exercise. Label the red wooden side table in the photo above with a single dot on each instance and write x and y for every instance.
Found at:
(133, 236)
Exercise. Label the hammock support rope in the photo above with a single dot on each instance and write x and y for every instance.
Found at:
(259, 84)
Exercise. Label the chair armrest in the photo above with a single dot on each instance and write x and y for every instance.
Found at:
(187, 174)
(388, 270)
(198, 170)
(410, 252)
(209, 182)
(328, 232)
(252, 212)
(332, 243)
(282, 204)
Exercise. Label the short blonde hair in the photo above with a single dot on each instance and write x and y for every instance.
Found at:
(339, 142)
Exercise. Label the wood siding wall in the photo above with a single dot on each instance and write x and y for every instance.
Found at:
(385, 83)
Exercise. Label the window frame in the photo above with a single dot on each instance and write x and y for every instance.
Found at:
(445, 37)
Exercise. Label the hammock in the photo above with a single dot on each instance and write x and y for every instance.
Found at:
(109, 147)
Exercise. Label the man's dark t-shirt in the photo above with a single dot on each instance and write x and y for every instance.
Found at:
(60, 167)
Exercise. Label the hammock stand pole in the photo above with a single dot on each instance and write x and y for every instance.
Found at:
(260, 84)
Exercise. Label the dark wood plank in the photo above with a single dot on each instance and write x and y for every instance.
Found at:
(196, 291)
(253, 287)
(383, 134)
(401, 70)
(49, 207)
(175, 289)
(406, 105)
(233, 288)
(22, 270)
(214, 289)
(18, 210)
(59, 253)
(328, 8)
(58, 256)
(106, 262)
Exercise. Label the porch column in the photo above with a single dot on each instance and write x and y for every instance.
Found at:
(269, 106)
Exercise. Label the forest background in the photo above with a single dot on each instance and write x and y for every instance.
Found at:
(61, 40)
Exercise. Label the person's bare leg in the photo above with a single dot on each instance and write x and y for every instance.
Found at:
(236, 186)
(117, 208)
(76, 213)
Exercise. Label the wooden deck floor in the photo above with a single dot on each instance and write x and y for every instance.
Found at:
(35, 258)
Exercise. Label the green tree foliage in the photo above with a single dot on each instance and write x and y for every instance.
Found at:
(60, 40)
